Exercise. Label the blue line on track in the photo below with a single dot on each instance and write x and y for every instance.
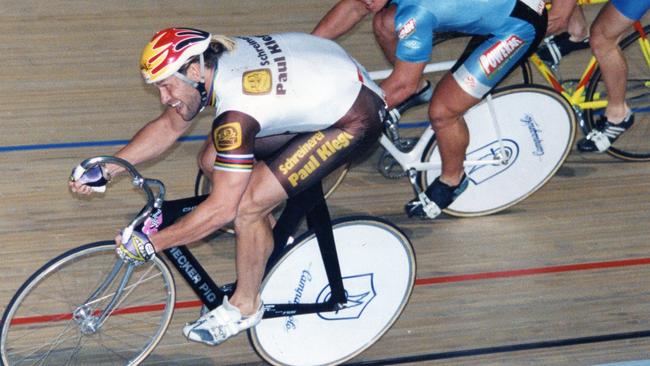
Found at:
(78, 145)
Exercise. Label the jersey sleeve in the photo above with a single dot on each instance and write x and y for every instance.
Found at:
(233, 135)
(414, 26)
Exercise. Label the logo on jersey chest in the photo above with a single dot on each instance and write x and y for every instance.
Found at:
(260, 81)
(407, 29)
(227, 136)
(256, 82)
(494, 57)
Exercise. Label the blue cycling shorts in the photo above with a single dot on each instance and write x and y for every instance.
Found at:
(633, 9)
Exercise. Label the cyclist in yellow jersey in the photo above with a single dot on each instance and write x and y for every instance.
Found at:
(290, 108)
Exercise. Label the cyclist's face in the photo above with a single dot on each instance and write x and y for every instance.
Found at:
(179, 95)
(374, 5)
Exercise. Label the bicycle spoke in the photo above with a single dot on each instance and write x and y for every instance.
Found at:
(75, 350)
(59, 340)
(128, 288)
(100, 342)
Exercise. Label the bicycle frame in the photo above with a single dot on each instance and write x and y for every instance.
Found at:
(410, 161)
(577, 96)
(310, 204)
(318, 218)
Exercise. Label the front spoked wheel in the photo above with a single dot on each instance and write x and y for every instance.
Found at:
(634, 144)
(57, 315)
(538, 128)
(378, 269)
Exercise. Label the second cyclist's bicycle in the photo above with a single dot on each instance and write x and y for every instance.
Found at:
(519, 137)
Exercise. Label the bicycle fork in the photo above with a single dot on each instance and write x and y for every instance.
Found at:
(86, 316)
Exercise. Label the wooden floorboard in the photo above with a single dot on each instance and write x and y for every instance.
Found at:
(70, 76)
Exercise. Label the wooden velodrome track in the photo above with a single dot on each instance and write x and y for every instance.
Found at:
(557, 280)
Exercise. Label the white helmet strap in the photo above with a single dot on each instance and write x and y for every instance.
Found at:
(198, 85)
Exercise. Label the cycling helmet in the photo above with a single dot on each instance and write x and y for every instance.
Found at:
(169, 50)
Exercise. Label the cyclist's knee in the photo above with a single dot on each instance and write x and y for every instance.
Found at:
(442, 116)
(254, 206)
(381, 26)
(600, 39)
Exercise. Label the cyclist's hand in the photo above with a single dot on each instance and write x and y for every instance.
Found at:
(392, 117)
(85, 181)
(137, 250)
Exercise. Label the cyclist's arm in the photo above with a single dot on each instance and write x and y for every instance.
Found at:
(340, 19)
(149, 142)
(234, 138)
(402, 82)
(559, 15)
(412, 52)
(153, 139)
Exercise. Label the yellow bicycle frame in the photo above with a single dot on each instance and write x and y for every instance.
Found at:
(577, 97)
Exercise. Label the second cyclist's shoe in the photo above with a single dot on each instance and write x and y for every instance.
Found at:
(604, 135)
(437, 197)
(561, 45)
(216, 326)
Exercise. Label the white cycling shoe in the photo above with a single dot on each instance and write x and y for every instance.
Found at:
(216, 326)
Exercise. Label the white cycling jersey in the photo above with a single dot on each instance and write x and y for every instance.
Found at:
(289, 83)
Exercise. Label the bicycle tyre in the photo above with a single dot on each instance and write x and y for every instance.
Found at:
(330, 183)
(37, 325)
(634, 144)
(538, 135)
(378, 269)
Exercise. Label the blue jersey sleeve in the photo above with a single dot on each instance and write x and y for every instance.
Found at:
(414, 26)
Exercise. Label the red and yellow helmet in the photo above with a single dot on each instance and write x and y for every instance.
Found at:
(169, 50)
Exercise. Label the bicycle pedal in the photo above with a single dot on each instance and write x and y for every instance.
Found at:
(427, 210)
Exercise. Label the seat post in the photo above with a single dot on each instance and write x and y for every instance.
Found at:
(318, 219)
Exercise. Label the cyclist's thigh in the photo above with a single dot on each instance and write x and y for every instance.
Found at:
(309, 157)
(497, 55)
(609, 25)
(632, 9)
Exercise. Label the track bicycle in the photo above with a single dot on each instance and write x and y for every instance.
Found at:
(519, 137)
(588, 95)
(328, 295)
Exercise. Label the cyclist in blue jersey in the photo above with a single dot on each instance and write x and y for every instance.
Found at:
(404, 30)
(612, 21)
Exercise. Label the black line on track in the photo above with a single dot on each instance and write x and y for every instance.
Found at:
(505, 349)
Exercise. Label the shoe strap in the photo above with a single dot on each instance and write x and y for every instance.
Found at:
(599, 139)
(428, 206)
(555, 52)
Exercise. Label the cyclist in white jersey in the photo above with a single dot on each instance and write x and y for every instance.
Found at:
(290, 108)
